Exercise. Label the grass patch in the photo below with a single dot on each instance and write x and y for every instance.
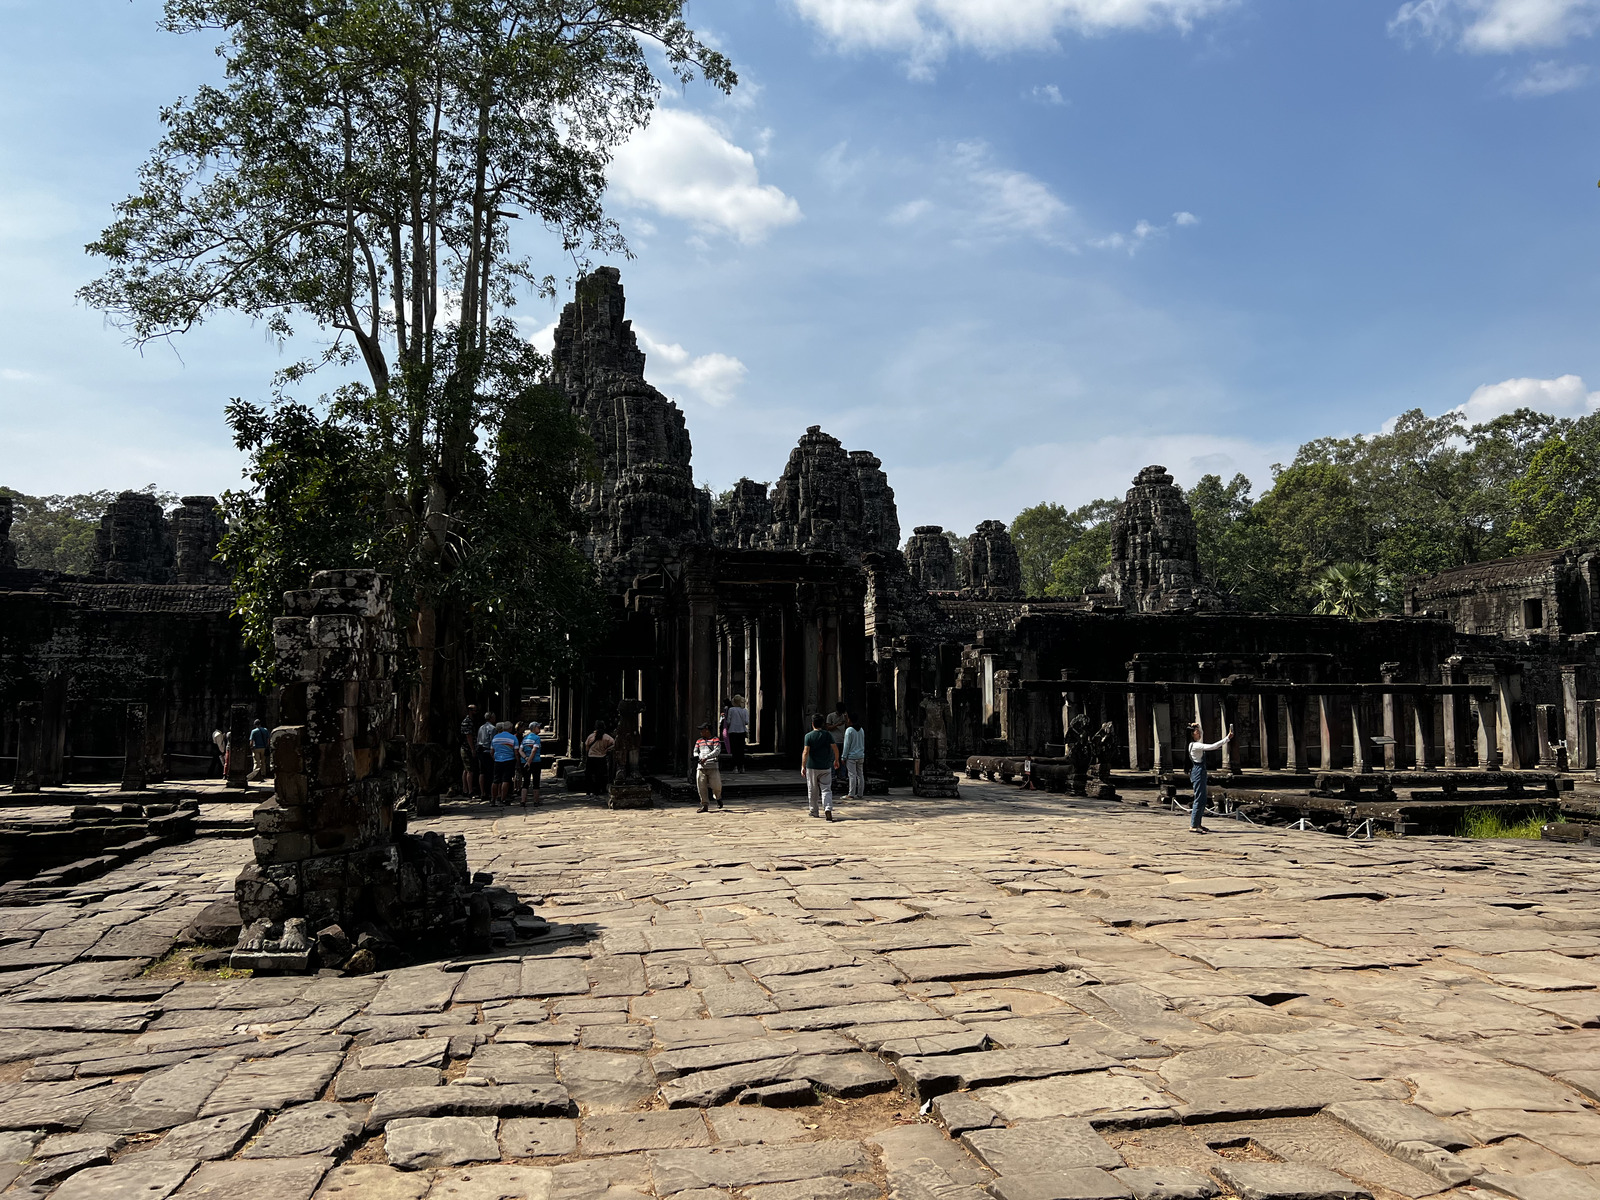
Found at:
(178, 963)
(1519, 821)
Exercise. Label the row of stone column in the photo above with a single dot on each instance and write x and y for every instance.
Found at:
(42, 761)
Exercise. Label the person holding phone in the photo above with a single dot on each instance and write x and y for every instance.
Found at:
(1197, 771)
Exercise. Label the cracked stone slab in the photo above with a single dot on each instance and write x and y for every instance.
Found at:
(745, 1166)
(282, 1179)
(457, 1100)
(1076, 1183)
(1033, 1147)
(506, 1182)
(606, 1082)
(1072, 1096)
(1387, 1123)
(408, 1052)
(1167, 1183)
(414, 1142)
(373, 1181)
(927, 1077)
(625, 1133)
(126, 1181)
(538, 1137)
(320, 1129)
(1288, 1181)
(207, 1138)
(272, 1083)
(414, 990)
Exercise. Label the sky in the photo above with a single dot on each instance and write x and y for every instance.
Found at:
(1016, 248)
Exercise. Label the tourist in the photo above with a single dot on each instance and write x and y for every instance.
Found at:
(469, 751)
(1197, 771)
(259, 737)
(483, 744)
(596, 759)
(503, 745)
(855, 757)
(737, 718)
(532, 765)
(708, 767)
(837, 720)
(820, 748)
(220, 741)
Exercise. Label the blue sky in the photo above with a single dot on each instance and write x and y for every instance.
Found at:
(1017, 248)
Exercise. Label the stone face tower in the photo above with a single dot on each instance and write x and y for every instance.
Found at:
(992, 562)
(645, 502)
(134, 542)
(197, 528)
(817, 503)
(930, 559)
(1155, 558)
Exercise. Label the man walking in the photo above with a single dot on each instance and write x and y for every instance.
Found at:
(819, 759)
(1197, 772)
(469, 751)
(258, 751)
(503, 745)
(855, 757)
(532, 746)
(484, 745)
(708, 767)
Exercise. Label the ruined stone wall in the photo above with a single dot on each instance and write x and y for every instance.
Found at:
(134, 542)
(329, 846)
(930, 560)
(992, 563)
(1494, 597)
(746, 522)
(1155, 558)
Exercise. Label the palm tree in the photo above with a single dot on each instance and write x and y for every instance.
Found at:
(1349, 590)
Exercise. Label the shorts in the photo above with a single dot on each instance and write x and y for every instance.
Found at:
(503, 771)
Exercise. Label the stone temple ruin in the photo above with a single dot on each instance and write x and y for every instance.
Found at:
(803, 596)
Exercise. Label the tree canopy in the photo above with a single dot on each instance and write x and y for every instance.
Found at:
(379, 172)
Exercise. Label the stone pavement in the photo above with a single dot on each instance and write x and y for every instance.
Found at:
(1025, 996)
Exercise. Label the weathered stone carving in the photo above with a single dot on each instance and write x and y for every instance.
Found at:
(816, 503)
(197, 528)
(645, 503)
(330, 845)
(880, 519)
(629, 789)
(746, 522)
(992, 565)
(931, 775)
(930, 560)
(1155, 558)
(134, 542)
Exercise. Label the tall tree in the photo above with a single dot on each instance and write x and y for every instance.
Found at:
(361, 172)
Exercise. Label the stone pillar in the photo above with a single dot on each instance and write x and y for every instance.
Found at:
(1267, 730)
(628, 788)
(134, 728)
(238, 746)
(1422, 730)
(1360, 750)
(155, 736)
(1391, 726)
(811, 670)
(702, 691)
(747, 686)
(1488, 712)
(30, 746)
(1226, 710)
(1544, 718)
(1507, 687)
(1331, 730)
(1140, 757)
(53, 722)
(1572, 721)
(1585, 759)
(1294, 742)
(1161, 735)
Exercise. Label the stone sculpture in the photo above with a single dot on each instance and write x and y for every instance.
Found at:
(993, 568)
(134, 542)
(197, 529)
(930, 560)
(931, 775)
(1155, 558)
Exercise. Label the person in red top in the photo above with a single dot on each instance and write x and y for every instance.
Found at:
(708, 767)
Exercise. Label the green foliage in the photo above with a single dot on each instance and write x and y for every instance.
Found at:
(1087, 555)
(1354, 590)
(1556, 500)
(958, 555)
(1238, 553)
(1518, 822)
(1041, 535)
(56, 533)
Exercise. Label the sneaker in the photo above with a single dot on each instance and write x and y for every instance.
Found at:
(829, 814)
(1198, 829)
(702, 808)
(719, 805)
(813, 812)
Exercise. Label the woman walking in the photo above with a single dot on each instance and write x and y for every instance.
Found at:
(855, 757)
(596, 756)
(1197, 772)
(737, 722)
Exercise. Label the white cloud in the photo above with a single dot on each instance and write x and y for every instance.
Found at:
(1548, 78)
(713, 378)
(681, 166)
(928, 30)
(1566, 396)
(1007, 201)
(1142, 233)
(1048, 93)
(1497, 26)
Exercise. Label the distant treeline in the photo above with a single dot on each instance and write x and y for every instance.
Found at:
(1344, 525)
(56, 533)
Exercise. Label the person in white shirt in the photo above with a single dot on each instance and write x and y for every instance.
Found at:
(1197, 771)
(738, 718)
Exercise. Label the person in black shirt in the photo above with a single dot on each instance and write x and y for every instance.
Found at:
(819, 759)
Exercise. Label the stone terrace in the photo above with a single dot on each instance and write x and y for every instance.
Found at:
(1093, 1002)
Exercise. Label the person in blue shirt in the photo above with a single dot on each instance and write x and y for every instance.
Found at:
(532, 745)
(854, 752)
(259, 736)
(503, 746)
